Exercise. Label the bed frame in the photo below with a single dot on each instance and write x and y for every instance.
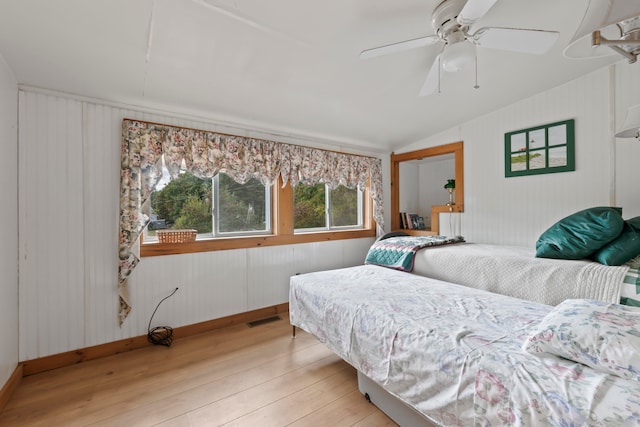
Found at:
(395, 409)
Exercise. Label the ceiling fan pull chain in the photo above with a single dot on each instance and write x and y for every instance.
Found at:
(439, 71)
(476, 85)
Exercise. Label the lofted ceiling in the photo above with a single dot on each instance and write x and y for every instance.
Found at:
(287, 66)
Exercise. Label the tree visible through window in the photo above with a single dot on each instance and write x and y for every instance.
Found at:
(184, 202)
(241, 207)
(309, 206)
(188, 202)
(317, 206)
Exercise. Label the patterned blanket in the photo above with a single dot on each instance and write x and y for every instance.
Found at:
(399, 252)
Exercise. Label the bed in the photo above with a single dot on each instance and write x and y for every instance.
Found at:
(453, 354)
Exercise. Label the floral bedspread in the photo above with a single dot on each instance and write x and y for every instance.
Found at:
(453, 352)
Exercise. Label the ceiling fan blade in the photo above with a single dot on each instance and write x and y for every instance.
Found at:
(474, 10)
(433, 79)
(398, 47)
(515, 39)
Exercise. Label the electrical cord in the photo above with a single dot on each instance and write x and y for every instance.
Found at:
(160, 335)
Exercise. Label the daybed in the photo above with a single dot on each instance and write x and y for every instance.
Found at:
(561, 353)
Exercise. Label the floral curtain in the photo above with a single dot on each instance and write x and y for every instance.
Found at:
(207, 153)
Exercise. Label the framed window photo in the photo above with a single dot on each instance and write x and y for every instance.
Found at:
(541, 149)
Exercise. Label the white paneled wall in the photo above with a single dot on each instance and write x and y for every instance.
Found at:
(9, 218)
(627, 177)
(69, 205)
(516, 210)
(52, 257)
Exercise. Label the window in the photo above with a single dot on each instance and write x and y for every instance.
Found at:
(317, 207)
(241, 208)
(213, 207)
(220, 207)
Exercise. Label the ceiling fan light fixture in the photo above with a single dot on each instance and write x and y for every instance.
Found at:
(458, 56)
(606, 22)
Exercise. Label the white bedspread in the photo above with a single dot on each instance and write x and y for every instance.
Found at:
(514, 271)
(453, 352)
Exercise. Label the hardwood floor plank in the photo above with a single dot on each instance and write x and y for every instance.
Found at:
(284, 411)
(377, 419)
(232, 397)
(238, 375)
(344, 411)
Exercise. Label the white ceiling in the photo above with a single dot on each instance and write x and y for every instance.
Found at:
(288, 66)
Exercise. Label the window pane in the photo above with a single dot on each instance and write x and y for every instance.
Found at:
(518, 162)
(558, 135)
(558, 156)
(518, 142)
(309, 206)
(537, 139)
(343, 206)
(184, 202)
(537, 159)
(241, 207)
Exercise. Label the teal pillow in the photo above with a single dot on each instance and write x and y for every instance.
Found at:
(580, 234)
(624, 248)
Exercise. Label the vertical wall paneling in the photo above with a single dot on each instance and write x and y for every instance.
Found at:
(9, 216)
(268, 277)
(611, 108)
(627, 89)
(101, 140)
(355, 251)
(51, 232)
(211, 285)
(271, 268)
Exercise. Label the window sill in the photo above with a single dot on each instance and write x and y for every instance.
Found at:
(226, 243)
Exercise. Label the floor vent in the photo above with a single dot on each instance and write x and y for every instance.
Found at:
(263, 321)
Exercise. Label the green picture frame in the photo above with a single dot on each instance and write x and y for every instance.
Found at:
(542, 149)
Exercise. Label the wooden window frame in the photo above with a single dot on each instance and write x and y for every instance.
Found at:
(282, 230)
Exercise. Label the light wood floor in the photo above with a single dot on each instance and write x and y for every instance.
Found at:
(237, 376)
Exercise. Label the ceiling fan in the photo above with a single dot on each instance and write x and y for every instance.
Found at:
(452, 21)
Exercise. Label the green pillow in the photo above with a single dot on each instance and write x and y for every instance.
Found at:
(580, 234)
(624, 248)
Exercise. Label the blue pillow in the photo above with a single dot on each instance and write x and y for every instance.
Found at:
(579, 235)
(625, 247)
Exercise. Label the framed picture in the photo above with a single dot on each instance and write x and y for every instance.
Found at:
(541, 149)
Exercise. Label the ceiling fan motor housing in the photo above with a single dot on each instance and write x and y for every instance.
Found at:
(444, 16)
(630, 30)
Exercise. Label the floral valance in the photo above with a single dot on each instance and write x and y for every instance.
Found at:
(205, 154)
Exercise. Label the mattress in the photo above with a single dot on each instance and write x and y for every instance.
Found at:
(453, 353)
(515, 271)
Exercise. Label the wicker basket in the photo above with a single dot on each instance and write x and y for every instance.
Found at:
(176, 236)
